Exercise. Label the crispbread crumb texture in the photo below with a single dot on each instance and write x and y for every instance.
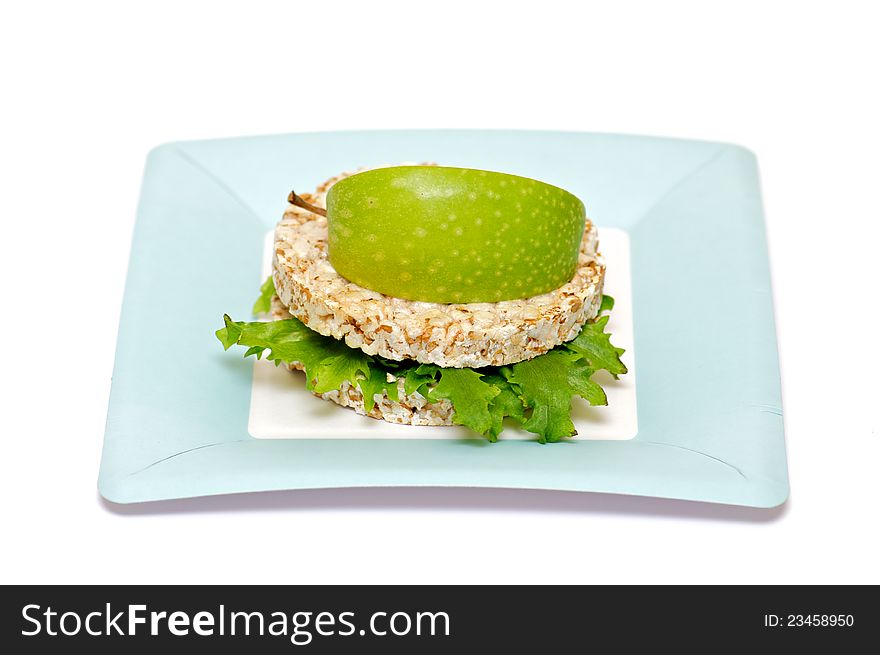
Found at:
(456, 335)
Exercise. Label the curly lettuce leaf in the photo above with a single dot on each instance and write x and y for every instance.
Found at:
(327, 362)
(507, 404)
(594, 345)
(470, 395)
(263, 304)
(375, 383)
(420, 378)
(547, 385)
(536, 393)
(345, 364)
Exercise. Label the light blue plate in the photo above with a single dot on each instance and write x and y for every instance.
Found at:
(710, 418)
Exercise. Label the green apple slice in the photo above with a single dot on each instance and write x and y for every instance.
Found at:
(453, 235)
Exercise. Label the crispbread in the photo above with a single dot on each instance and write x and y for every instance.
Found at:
(456, 335)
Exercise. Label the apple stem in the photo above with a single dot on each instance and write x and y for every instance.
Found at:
(294, 199)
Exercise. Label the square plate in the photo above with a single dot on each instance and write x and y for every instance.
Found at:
(282, 407)
(708, 395)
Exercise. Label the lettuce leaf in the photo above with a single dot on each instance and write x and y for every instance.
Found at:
(593, 344)
(263, 305)
(419, 378)
(507, 404)
(377, 383)
(547, 385)
(536, 393)
(470, 395)
(327, 362)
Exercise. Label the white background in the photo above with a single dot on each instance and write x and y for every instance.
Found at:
(89, 87)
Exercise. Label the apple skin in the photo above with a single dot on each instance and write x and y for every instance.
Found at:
(453, 235)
